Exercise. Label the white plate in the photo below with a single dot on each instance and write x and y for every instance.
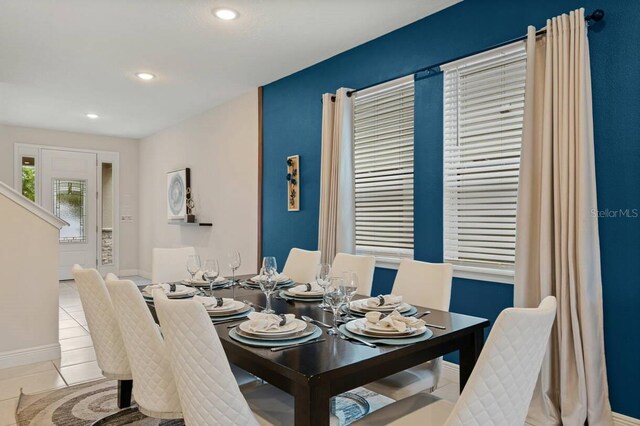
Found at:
(358, 327)
(360, 306)
(233, 306)
(180, 292)
(294, 292)
(290, 328)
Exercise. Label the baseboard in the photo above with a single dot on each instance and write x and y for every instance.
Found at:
(29, 356)
(127, 272)
(451, 372)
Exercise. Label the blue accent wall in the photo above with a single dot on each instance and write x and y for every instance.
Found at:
(292, 125)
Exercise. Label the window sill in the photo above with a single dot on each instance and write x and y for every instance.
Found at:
(484, 274)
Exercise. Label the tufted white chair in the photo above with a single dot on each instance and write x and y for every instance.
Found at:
(301, 265)
(500, 387)
(111, 354)
(363, 266)
(169, 264)
(423, 284)
(154, 387)
(208, 391)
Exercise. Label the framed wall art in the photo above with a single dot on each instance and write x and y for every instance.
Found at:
(178, 194)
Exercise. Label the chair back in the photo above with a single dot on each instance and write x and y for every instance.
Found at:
(208, 390)
(154, 387)
(169, 264)
(111, 354)
(501, 385)
(301, 265)
(363, 266)
(424, 284)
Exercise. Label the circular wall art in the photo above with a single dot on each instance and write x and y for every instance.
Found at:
(177, 184)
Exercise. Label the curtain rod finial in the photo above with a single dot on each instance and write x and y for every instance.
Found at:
(596, 15)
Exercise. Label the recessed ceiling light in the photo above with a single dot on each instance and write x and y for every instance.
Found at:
(225, 14)
(145, 76)
(92, 115)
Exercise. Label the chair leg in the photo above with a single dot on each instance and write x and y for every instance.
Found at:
(124, 393)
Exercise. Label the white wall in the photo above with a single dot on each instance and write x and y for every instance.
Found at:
(28, 286)
(128, 150)
(220, 147)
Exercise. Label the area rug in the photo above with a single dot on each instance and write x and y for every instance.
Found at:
(82, 405)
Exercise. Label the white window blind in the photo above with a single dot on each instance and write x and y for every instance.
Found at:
(483, 116)
(383, 159)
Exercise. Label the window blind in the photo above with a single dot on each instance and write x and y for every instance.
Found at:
(483, 116)
(383, 163)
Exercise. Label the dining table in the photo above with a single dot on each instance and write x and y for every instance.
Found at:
(315, 373)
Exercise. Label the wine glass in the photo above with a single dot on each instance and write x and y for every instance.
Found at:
(349, 288)
(193, 265)
(234, 263)
(322, 278)
(211, 271)
(268, 284)
(270, 265)
(335, 297)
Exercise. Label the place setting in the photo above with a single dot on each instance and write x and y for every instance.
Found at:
(382, 303)
(205, 276)
(171, 290)
(275, 331)
(282, 281)
(223, 309)
(387, 328)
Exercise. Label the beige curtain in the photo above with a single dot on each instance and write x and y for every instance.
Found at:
(336, 230)
(557, 247)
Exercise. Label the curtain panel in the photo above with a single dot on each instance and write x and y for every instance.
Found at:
(336, 230)
(557, 245)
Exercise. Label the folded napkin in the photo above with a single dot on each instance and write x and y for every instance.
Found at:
(279, 278)
(199, 277)
(394, 320)
(309, 287)
(213, 302)
(383, 300)
(167, 288)
(268, 322)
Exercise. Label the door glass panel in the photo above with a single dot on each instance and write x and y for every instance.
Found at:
(69, 204)
(29, 178)
(107, 214)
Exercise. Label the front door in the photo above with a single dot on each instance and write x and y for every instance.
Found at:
(69, 192)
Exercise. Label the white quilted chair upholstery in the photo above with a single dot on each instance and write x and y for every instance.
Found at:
(501, 385)
(101, 319)
(301, 265)
(423, 284)
(363, 266)
(169, 264)
(208, 391)
(154, 388)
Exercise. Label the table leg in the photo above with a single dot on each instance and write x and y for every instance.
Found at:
(469, 353)
(312, 405)
(124, 393)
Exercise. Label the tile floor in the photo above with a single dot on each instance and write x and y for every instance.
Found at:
(78, 360)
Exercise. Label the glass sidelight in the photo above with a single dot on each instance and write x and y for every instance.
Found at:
(29, 177)
(106, 241)
(70, 205)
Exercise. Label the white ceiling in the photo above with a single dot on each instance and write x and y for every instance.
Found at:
(62, 58)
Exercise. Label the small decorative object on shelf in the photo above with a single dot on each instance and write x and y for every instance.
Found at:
(191, 207)
(293, 183)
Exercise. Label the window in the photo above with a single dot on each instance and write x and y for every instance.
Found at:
(70, 205)
(383, 160)
(28, 168)
(483, 115)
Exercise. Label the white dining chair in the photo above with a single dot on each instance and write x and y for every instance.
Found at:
(111, 354)
(500, 387)
(169, 264)
(208, 391)
(301, 265)
(154, 388)
(428, 285)
(363, 266)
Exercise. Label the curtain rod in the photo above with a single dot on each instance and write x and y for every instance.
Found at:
(595, 16)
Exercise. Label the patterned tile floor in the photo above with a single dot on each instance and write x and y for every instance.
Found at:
(78, 360)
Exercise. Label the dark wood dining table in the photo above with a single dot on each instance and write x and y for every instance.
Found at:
(314, 373)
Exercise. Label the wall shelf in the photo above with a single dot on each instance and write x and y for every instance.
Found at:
(183, 223)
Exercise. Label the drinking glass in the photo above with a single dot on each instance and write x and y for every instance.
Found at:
(322, 278)
(234, 263)
(211, 271)
(268, 284)
(193, 265)
(349, 288)
(270, 265)
(335, 297)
